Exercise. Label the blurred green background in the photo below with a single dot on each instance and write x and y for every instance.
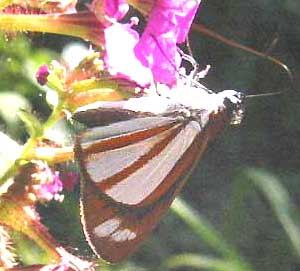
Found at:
(241, 204)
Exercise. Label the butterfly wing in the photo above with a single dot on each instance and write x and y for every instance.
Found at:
(131, 172)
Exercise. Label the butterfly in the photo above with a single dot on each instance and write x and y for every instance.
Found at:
(136, 164)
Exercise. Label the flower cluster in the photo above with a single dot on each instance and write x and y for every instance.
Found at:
(139, 60)
(44, 184)
(143, 59)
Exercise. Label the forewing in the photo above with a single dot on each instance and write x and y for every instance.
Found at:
(115, 228)
(131, 174)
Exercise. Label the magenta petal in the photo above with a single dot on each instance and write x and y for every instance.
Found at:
(155, 54)
(161, 56)
(116, 9)
(48, 191)
(168, 24)
(120, 59)
(185, 17)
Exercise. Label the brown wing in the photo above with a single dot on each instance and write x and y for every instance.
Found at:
(131, 178)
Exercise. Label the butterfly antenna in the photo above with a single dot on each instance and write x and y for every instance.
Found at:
(267, 94)
(203, 29)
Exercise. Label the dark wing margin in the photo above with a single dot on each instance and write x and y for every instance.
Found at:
(105, 116)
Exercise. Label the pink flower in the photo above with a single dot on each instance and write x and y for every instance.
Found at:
(151, 58)
(45, 184)
(115, 8)
(50, 189)
(42, 74)
(120, 59)
(156, 51)
(168, 24)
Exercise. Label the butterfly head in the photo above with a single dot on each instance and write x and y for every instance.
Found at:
(234, 102)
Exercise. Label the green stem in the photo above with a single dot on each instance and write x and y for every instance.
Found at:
(31, 143)
(13, 215)
(10, 208)
(54, 117)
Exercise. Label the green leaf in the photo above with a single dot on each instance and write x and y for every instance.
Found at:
(280, 201)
